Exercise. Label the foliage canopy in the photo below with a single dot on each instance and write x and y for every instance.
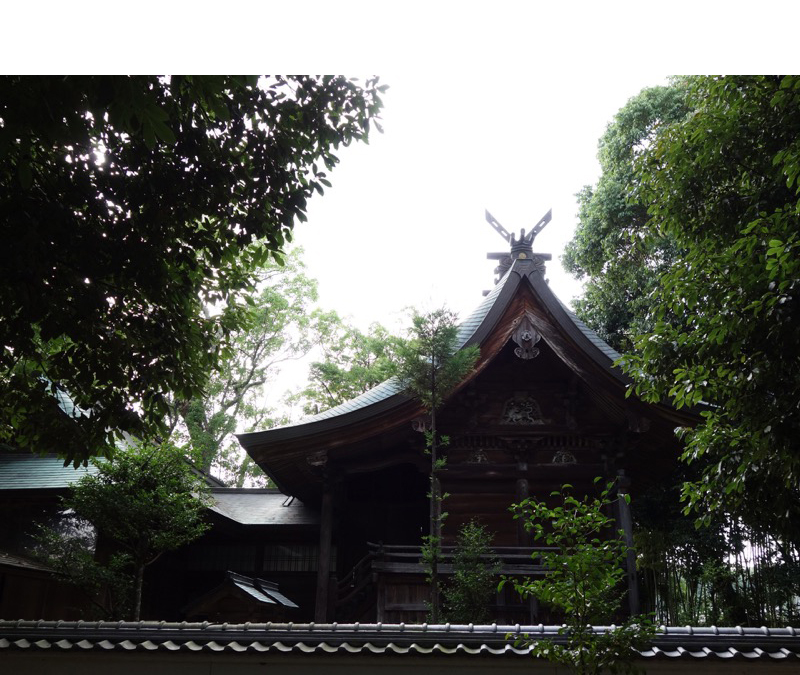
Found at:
(687, 239)
(431, 363)
(723, 184)
(279, 325)
(130, 203)
(353, 362)
(612, 247)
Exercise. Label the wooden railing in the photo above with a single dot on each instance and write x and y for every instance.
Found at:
(388, 583)
(514, 560)
(356, 581)
(355, 593)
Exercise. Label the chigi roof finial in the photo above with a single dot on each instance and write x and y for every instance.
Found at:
(520, 248)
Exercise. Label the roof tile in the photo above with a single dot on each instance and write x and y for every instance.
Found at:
(27, 471)
(261, 507)
(670, 642)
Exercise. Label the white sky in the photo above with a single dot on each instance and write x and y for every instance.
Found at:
(493, 106)
(404, 225)
(404, 221)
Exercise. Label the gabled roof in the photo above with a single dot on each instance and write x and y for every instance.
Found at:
(471, 329)
(252, 590)
(522, 292)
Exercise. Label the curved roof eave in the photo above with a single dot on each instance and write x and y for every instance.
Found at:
(388, 394)
(473, 330)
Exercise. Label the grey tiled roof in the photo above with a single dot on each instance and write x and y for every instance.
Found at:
(744, 644)
(468, 326)
(383, 391)
(261, 507)
(593, 337)
(265, 592)
(390, 387)
(10, 560)
(30, 472)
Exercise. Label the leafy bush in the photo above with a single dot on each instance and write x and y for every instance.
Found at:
(146, 501)
(583, 582)
(467, 596)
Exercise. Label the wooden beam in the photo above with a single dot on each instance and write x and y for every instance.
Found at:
(324, 561)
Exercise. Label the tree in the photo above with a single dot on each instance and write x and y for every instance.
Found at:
(354, 362)
(467, 596)
(612, 247)
(585, 573)
(723, 184)
(431, 366)
(67, 546)
(146, 501)
(729, 572)
(688, 573)
(281, 325)
(128, 204)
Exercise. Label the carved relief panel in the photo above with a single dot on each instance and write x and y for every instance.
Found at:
(522, 409)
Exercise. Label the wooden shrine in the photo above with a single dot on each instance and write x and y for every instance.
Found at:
(545, 405)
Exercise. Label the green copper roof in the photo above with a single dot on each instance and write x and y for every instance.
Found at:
(36, 472)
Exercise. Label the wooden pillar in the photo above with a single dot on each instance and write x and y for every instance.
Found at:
(533, 605)
(523, 492)
(626, 525)
(321, 608)
(333, 595)
(380, 610)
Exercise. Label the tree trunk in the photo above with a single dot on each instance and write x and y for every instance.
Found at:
(137, 593)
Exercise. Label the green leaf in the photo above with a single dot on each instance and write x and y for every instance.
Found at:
(25, 175)
(164, 132)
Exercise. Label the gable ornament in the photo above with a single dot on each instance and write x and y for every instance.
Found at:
(526, 337)
(421, 424)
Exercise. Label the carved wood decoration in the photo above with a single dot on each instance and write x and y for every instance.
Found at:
(477, 456)
(317, 459)
(473, 450)
(564, 457)
(539, 264)
(522, 410)
(421, 424)
(526, 337)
